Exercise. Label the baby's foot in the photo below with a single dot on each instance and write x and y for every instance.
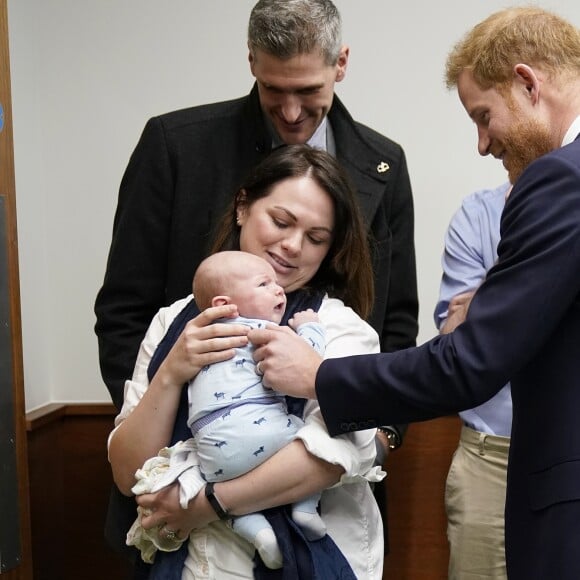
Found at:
(311, 524)
(268, 548)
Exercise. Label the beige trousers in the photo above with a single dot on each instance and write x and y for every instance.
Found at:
(475, 502)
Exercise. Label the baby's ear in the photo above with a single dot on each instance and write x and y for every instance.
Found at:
(221, 300)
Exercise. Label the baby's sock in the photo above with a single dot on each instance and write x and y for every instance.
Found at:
(311, 524)
(268, 548)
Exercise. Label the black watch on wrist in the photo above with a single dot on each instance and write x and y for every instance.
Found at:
(392, 437)
(221, 513)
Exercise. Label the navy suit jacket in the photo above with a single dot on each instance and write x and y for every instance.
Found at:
(523, 324)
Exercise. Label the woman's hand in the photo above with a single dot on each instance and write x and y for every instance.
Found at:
(203, 343)
(163, 510)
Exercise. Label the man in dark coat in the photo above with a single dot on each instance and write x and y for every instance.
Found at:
(187, 166)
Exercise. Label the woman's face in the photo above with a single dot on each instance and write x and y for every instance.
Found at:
(291, 229)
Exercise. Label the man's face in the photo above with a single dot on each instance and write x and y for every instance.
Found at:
(526, 141)
(296, 93)
(508, 125)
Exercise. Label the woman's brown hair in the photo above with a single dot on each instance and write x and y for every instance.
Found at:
(346, 271)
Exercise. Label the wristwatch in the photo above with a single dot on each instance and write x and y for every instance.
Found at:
(221, 513)
(392, 437)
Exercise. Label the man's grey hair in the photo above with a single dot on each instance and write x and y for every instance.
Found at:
(286, 28)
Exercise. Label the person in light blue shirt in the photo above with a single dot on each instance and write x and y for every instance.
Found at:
(476, 482)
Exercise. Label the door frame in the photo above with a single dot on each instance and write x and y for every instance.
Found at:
(21, 569)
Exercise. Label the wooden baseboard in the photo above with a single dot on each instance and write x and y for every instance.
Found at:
(70, 482)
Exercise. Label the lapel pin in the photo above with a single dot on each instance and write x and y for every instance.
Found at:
(382, 167)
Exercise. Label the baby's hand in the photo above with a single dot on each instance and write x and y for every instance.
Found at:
(302, 318)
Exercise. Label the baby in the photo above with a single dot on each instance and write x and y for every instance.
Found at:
(236, 422)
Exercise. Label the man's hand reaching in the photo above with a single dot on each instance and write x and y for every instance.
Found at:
(288, 363)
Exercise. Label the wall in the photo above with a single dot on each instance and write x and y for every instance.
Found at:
(87, 75)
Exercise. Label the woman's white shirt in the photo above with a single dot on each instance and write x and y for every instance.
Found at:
(349, 509)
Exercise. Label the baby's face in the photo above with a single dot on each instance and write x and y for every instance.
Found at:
(257, 293)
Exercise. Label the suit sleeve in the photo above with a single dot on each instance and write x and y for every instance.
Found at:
(512, 316)
(133, 287)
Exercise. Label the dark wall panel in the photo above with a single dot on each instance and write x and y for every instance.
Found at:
(9, 514)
